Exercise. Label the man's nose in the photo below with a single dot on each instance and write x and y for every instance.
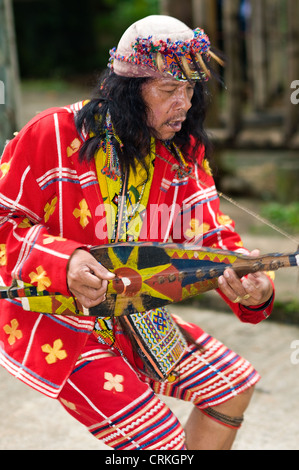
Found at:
(183, 99)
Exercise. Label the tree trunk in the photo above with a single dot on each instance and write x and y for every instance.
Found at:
(182, 10)
(259, 60)
(292, 110)
(233, 76)
(275, 18)
(205, 16)
(9, 75)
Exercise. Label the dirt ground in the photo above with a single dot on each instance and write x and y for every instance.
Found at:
(30, 421)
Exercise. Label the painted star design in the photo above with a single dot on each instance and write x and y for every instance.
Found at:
(133, 281)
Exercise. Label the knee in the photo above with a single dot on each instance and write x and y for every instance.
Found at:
(231, 413)
(236, 406)
(241, 402)
(247, 395)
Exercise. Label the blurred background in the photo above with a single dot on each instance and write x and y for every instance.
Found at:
(51, 53)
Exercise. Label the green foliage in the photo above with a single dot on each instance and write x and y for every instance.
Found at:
(122, 14)
(285, 216)
(65, 39)
(286, 312)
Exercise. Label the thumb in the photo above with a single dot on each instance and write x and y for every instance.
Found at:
(100, 271)
(254, 253)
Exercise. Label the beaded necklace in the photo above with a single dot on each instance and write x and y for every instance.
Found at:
(125, 196)
(111, 168)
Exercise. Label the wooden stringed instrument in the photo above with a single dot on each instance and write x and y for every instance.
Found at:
(151, 275)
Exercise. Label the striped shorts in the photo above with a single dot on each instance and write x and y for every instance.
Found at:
(119, 404)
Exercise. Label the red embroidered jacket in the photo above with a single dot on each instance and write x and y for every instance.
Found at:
(49, 206)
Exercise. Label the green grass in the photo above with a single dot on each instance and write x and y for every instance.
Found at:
(286, 312)
(56, 85)
(285, 216)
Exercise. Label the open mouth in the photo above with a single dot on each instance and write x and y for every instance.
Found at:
(176, 126)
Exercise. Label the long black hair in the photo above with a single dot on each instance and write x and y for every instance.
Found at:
(122, 97)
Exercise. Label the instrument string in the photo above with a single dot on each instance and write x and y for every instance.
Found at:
(250, 212)
(260, 218)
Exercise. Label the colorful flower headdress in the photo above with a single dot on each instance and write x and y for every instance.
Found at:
(184, 59)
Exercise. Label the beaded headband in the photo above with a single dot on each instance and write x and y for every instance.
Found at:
(185, 59)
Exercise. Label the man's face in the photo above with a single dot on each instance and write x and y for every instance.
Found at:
(168, 102)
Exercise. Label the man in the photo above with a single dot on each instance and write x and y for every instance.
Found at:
(99, 172)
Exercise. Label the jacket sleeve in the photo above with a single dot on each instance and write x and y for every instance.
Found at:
(207, 226)
(28, 250)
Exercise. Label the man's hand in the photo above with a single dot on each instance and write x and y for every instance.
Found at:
(255, 289)
(87, 279)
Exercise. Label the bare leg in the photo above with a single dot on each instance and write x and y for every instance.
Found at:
(203, 433)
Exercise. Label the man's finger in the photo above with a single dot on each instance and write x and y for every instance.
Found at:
(98, 270)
